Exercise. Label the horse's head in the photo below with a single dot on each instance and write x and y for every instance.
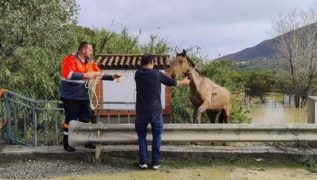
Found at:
(181, 65)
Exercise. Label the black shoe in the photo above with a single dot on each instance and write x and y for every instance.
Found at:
(69, 149)
(66, 145)
(90, 146)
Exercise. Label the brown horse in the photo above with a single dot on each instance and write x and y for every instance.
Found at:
(205, 94)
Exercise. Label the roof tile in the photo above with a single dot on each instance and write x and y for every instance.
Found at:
(129, 61)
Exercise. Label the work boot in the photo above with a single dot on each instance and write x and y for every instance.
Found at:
(66, 145)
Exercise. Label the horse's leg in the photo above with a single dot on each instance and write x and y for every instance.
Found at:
(221, 117)
(194, 118)
(194, 115)
(226, 115)
(202, 108)
(212, 115)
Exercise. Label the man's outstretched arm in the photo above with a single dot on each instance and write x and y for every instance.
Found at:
(108, 77)
(173, 82)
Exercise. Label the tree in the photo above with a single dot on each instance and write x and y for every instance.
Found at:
(41, 23)
(297, 45)
(257, 83)
(32, 36)
(156, 45)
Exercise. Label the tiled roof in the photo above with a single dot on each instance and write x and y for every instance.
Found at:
(129, 61)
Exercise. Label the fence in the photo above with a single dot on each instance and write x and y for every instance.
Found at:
(29, 121)
(2, 117)
(35, 122)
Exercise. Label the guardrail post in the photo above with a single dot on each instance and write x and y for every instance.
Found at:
(8, 110)
(34, 120)
(311, 109)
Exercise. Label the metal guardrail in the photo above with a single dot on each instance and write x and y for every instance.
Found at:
(82, 133)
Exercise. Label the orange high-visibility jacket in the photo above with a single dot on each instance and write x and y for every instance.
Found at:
(72, 77)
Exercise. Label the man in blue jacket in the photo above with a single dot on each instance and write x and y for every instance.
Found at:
(149, 108)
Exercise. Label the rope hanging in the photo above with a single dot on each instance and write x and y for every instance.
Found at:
(91, 85)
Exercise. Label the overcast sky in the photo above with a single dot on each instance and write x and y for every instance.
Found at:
(217, 26)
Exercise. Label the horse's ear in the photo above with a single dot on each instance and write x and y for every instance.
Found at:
(184, 52)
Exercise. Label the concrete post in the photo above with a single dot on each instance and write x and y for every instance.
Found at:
(312, 109)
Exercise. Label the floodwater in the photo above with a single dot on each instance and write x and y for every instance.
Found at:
(219, 173)
(275, 110)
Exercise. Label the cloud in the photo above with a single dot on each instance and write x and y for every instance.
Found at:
(217, 26)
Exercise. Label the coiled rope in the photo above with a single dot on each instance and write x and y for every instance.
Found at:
(91, 85)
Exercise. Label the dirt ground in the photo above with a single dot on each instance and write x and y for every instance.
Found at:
(123, 168)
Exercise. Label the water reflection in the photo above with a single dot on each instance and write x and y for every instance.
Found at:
(274, 111)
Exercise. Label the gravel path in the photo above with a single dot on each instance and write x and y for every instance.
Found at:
(21, 162)
(126, 169)
(31, 169)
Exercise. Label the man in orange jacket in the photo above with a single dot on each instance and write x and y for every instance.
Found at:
(76, 70)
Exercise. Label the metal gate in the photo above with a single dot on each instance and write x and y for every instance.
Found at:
(29, 121)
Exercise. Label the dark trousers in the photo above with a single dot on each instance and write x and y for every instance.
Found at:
(76, 110)
(141, 123)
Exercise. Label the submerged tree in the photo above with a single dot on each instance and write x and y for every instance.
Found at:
(297, 46)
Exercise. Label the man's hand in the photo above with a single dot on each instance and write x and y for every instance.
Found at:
(116, 76)
(185, 81)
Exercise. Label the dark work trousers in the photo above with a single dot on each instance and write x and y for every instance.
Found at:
(76, 110)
